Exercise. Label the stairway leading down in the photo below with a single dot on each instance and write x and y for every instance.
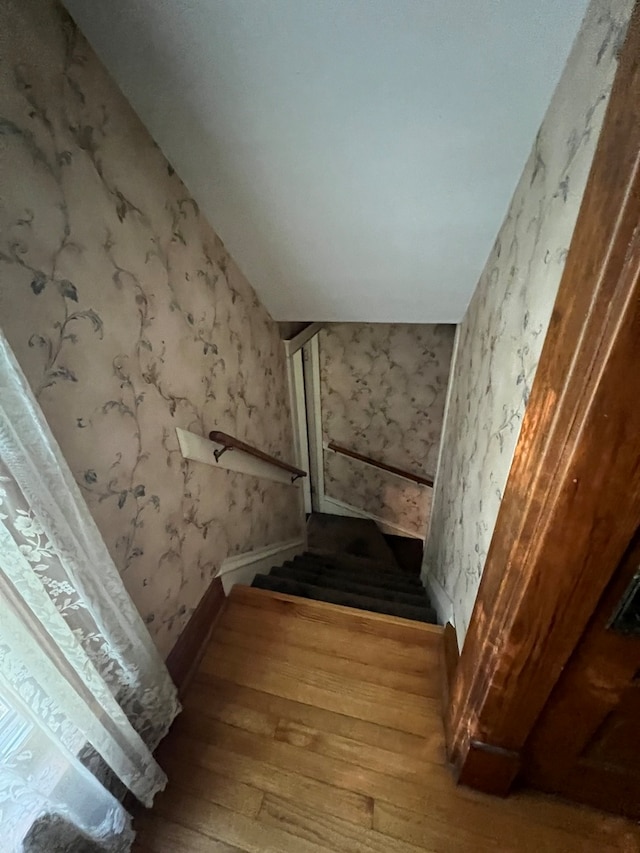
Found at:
(349, 563)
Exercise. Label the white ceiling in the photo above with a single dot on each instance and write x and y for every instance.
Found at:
(356, 156)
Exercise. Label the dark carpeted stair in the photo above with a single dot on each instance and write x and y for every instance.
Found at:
(361, 585)
(350, 564)
(384, 575)
(376, 604)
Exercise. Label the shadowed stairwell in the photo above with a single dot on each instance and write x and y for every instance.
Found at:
(349, 563)
(314, 727)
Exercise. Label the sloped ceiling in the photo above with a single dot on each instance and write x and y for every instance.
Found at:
(356, 156)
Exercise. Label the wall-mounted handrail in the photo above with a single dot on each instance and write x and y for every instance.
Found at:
(229, 442)
(415, 478)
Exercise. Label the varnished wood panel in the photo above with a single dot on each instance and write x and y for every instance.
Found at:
(256, 770)
(586, 743)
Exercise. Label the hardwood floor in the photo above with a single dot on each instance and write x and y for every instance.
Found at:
(309, 728)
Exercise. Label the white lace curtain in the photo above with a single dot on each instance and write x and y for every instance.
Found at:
(84, 695)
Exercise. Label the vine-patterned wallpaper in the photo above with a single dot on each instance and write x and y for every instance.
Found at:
(502, 333)
(129, 318)
(383, 388)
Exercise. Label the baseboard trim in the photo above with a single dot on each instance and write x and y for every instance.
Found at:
(242, 568)
(449, 657)
(439, 598)
(489, 768)
(184, 658)
(333, 506)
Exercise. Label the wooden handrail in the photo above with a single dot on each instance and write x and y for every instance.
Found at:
(229, 442)
(415, 478)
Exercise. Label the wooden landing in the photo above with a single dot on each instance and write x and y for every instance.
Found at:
(311, 728)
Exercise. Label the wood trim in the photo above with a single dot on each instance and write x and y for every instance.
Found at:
(391, 469)
(311, 352)
(184, 658)
(602, 672)
(230, 442)
(449, 659)
(572, 500)
(450, 655)
(295, 373)
(292, 345)
(445, 418)
(489, 768)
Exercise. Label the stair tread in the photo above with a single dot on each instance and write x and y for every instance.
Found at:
(317, 593)
(324, 614)
(370, 579)
(381, 570)
(338, 581)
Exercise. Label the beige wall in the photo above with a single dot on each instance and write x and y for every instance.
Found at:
(383, 388)
(501, 337)
(130, 319)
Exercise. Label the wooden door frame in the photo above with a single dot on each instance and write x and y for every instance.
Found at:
(572, 499)
(600, 675)
(295, 372)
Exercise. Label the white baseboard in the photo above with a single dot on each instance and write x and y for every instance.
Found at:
(333, 506)
(439, 599)
(242, 568)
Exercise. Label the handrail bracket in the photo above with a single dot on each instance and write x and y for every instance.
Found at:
(218, 453)
(229, 442)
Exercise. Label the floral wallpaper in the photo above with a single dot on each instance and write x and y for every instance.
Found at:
(503, 331)
(383, 389)
(129, 319)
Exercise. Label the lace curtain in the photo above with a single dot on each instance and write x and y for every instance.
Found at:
(84, 695)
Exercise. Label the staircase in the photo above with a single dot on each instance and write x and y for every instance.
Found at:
(315, 728)
(349, 563)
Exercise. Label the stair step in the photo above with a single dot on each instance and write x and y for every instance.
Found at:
(355, 566)
(381, 581)
(324, 615)
(362, 602)
(364, 585)
(353, 561)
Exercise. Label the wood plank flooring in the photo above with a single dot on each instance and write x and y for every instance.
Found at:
(311, 728)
